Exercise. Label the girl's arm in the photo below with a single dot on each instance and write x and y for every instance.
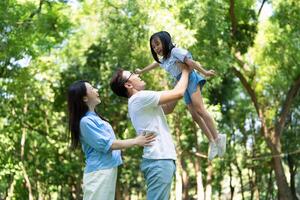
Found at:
(147, 68)
(195, 65)
(140, 140)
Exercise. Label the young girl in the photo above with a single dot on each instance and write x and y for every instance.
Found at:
(166, 55)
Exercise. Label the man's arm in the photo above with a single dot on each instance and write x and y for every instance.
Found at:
(169, 107)
(178, 91)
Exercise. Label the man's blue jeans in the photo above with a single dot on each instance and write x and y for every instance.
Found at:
(158, 175)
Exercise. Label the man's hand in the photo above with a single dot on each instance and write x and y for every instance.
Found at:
(183, 66)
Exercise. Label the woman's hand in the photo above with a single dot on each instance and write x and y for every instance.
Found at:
(145, 139)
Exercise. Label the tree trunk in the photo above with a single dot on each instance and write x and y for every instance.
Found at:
(250, 183)
(272, 135)
(293, 173)
(256, 190)
(270, 186)
(178, 186)
(234, 161)
(75, 188)
(200, 188)
(185, 180)
(256, 178)
(230, 182)
(126, 194)
(240, 177)
(182, 178)
(208, 188)
(197, 167)
(178, 183)
(284, 191)
(26, 177)
(23, 140)
(118, 195)
(40, 191)
(140, 194)
(11, 189)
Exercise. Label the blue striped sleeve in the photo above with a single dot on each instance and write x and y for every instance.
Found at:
(181, 54)
(96, 134)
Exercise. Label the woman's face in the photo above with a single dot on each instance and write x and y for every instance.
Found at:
(92, 95)
(157, 46)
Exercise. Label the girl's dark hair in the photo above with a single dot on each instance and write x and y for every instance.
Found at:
(117, 84)
(166, 42)
(77, 108)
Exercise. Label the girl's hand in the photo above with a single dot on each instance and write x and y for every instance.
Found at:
(145, 139)
(137, 71)
(210, 73)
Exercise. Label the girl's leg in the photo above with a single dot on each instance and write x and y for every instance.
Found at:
(219, 140)
(213, 148)
(197, 118)
(198, 106)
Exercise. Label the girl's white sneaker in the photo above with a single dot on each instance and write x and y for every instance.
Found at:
(221, 144)
(212, 150)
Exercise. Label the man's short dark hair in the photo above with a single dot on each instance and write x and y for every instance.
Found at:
(117, 84)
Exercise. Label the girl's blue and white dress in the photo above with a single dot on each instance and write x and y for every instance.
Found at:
(195, 79)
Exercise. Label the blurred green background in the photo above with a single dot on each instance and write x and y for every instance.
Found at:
(253, 45)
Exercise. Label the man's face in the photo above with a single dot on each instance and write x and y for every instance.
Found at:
(134, 80)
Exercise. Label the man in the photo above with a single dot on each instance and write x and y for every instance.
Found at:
(147, 111)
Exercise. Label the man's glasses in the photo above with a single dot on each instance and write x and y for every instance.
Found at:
(127, 78)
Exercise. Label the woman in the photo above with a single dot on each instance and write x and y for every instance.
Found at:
(98, 141)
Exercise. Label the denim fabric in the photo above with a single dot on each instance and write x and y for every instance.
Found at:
(195, 79)
(159, 175)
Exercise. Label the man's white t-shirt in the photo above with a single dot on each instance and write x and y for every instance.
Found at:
(147, 115)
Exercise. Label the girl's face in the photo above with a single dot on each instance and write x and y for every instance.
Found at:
(157, 46)
(92, 97)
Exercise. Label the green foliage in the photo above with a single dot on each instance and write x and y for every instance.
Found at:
(46, 45)
(29, 29)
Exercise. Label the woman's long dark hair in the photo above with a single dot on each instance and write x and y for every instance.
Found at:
(166, 42)
(77, 108)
